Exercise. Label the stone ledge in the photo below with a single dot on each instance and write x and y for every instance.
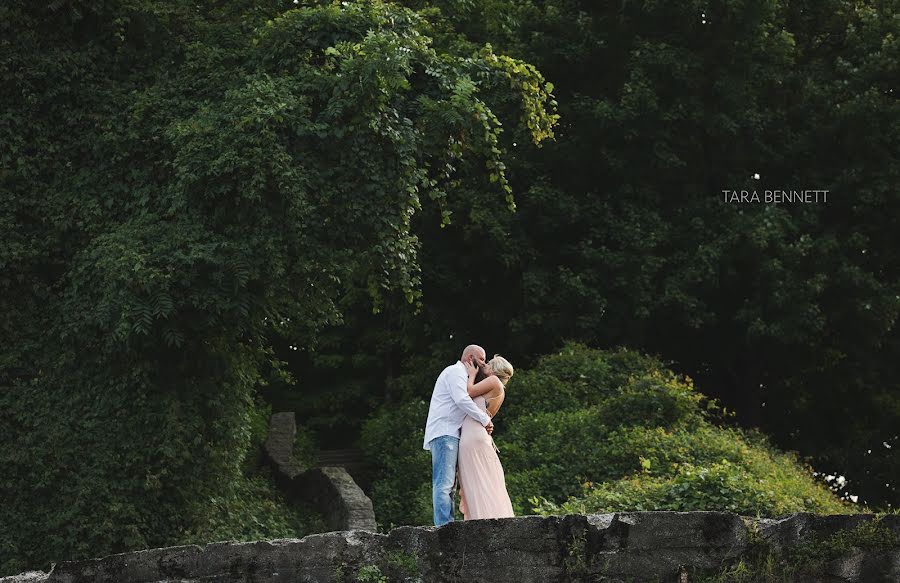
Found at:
(279, 446)
(342, 502)
(639, 547)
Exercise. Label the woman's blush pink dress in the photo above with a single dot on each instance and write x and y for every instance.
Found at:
(482, 484)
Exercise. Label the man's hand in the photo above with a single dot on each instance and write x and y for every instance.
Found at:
(489, 427)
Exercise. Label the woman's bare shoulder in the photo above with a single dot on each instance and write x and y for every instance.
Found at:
(496, 390)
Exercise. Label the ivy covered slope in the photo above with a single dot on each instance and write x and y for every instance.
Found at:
(180, 182)
(587, 431)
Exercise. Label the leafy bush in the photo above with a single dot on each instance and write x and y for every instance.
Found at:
(552, 452)
(719, 486)
(573, 378)
(252, 508)
(648, 444)
(392, 441)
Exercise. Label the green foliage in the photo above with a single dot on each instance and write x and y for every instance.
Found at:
(722, 486)
(404, 562)
(259, 430)
(871, 535)
(252, 509)
(648, 445)
(396, 566)
(305, 447)
(392, 442)
(370, 574)
(572, 379)
(182, 188)
(803, 561)
(575, 563)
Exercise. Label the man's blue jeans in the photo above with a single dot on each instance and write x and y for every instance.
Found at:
(444, 453)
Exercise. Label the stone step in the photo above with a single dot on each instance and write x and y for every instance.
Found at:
(334, 490)
(340, 457)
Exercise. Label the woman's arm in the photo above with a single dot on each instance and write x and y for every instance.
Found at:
(486, 385)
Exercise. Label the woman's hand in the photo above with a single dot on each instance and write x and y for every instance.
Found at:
(470, 369)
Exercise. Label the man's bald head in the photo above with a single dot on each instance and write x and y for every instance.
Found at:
(473, 351)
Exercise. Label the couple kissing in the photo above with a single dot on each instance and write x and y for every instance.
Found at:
(458, 434)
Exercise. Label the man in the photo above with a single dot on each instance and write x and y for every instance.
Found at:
(450, 403)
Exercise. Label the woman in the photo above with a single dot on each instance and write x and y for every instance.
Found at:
(482, 485)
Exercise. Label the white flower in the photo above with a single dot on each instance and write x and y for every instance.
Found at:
(841, 480)
(886, 444)
(829, 478)
(854, 498)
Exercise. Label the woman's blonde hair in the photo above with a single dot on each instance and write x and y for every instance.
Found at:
(502, 368)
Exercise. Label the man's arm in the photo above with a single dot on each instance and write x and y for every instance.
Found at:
(461, 397)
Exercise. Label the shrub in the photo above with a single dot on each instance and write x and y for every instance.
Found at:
(573, 378)
(719, 486)
(647, 444)
(252, 508)
(392, 441)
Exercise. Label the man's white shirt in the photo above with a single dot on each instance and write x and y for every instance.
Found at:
(450, 403)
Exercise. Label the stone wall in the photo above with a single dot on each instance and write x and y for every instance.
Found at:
(634, 547)
(343, 504)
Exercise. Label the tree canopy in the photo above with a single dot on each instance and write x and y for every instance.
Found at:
(181, 184)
